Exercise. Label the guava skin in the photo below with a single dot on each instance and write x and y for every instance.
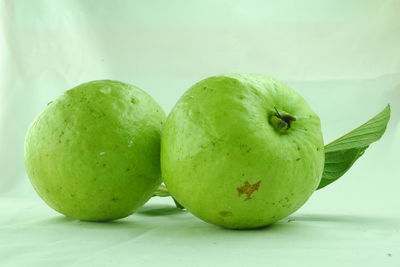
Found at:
(225, 160)
(93, 154)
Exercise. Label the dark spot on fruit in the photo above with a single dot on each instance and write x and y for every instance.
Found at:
(115, 199)
(248, 150)
(286, 119)
(298, 159)
(104, 164)
(317, 148)
(72, 195)
(242, 174)
(226, 213)
(273, 203)
(248, 189)
(133, 101)
(127, 169)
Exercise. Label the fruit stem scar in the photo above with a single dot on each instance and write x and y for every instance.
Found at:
(285, 118)
(248, 189)
(281, 123)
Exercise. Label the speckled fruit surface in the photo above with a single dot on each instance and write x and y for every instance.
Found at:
(93, 153)
(242, 150)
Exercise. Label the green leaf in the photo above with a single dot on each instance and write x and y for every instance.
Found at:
(162, 191)
(177, 204)
(341, 154)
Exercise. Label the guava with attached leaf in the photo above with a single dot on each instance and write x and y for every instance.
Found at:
(93, 153)
(242, 150)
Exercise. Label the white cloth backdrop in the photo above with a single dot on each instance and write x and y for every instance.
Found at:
(343, 56)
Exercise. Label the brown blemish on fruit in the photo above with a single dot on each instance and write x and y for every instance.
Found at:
(225, 213)
(286, 119)
(248, 189)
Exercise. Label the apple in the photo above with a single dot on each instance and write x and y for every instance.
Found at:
(93, 153)
(241, 150)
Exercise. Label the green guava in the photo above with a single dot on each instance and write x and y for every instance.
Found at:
(241, 151)
(93, 154)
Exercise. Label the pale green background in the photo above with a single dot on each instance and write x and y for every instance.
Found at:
(342, 56)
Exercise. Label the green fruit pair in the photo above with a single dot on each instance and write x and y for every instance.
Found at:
(238, 150)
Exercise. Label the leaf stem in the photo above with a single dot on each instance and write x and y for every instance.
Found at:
(162, 191)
